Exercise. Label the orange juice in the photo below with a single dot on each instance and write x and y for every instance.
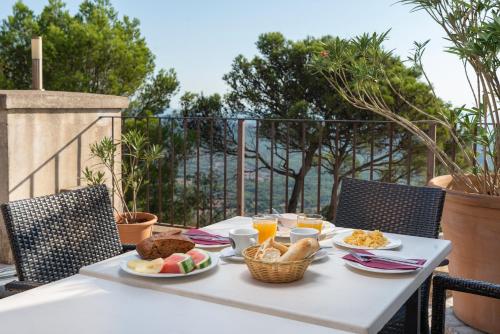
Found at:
(266, 225)
(311, 221)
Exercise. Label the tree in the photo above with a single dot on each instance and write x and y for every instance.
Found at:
(280, 84)
(96, 51)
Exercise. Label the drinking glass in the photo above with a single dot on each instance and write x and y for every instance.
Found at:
(267, 226)
(310, 220)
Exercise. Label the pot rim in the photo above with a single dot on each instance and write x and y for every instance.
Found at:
(474, 199)
(152, 218)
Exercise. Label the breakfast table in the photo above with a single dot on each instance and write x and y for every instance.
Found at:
(331, 297)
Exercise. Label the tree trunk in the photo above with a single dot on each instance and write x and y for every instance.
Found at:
(299, 178)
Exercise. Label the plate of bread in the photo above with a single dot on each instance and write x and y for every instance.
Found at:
(360, 239)
(274, 262)
(168, 254)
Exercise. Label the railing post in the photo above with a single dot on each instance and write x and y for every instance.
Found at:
(240, 172)
(431, 157)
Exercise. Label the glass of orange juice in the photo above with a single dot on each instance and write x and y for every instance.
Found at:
(310, 220)
(266, 225)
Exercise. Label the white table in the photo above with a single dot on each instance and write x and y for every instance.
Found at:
(83, 305)
(330, 294)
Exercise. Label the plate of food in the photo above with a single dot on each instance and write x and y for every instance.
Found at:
(359, 239)
(284, 231)
(169, 254)
(194, 262)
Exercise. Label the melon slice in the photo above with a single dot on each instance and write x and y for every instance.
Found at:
(200, 257)
(146, 267)
(178, 263)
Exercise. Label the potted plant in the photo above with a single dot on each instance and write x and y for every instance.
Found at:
(128, 176)
(471, 219)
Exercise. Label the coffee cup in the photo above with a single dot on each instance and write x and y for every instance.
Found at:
(242, 238)
(299, 233)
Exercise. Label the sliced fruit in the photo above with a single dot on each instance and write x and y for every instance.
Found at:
(178, 263)
(200, 257)
(146, 267)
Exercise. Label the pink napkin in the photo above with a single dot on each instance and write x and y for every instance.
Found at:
(204, 238)
(381, 264)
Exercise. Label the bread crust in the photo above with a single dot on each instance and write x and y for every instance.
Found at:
(164, 244)
(300, 250)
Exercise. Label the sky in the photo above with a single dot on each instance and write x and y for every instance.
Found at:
(200, 39)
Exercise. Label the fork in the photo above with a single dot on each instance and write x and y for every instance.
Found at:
(363, 258)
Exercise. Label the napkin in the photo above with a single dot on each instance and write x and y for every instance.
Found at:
(204, 238)
(381, 264)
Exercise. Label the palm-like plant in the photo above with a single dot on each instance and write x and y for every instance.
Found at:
(137, 156)
(356, 68)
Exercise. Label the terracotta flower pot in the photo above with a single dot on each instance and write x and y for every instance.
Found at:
(136, 232)
(472, 223)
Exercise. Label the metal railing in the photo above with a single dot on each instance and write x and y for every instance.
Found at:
(215, 168)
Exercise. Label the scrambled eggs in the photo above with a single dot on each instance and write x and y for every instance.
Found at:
(373, 239)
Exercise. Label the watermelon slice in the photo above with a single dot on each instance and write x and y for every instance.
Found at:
(178, 263)
(200, 257)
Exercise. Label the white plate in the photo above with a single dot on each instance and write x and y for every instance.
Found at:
(339, 240)
(284, 232)
(210, 246)
(376, 270)
(227, 255)
(320, 255)
(124, 267)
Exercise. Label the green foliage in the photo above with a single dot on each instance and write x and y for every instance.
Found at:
(279, 83)
(137, 156)
(359, 70)
(93, 51)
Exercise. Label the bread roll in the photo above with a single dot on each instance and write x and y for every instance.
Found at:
(300, 250)
(270, 255)
(279, 246)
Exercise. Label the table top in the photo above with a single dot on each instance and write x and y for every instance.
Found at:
(83, 304)
(330, 294)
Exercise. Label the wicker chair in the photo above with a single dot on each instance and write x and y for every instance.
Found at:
(393, 208)
(52, 237)
(441, 283)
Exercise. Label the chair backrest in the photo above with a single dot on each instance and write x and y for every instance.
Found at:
(389, 207)
(52, 237)
(393, 208)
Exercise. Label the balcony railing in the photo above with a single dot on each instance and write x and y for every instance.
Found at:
(215, 168)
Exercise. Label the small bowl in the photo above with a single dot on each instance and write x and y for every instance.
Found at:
(288, 220)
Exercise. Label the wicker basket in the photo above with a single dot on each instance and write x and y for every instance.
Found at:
(273, 272)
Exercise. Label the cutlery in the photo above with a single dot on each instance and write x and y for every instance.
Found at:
(204, 236)
(209, 239)
(363, 258)
(393, 258)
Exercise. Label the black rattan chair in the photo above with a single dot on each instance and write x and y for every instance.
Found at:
(52, 237)
(393, 208)
(441, 283)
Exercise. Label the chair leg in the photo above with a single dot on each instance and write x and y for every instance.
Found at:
(438, 305)
(412, 314)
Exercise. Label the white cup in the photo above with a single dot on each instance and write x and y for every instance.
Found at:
(242, 238)
(303, 232)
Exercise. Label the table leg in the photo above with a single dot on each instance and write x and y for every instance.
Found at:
(412, 321)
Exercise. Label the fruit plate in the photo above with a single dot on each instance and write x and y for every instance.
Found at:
(339, 241)
(123, 265)
(284, 232)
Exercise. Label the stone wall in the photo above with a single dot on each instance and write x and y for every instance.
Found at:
(44, 142)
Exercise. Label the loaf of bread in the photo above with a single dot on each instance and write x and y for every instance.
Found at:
(164, 244)
(300, 250)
